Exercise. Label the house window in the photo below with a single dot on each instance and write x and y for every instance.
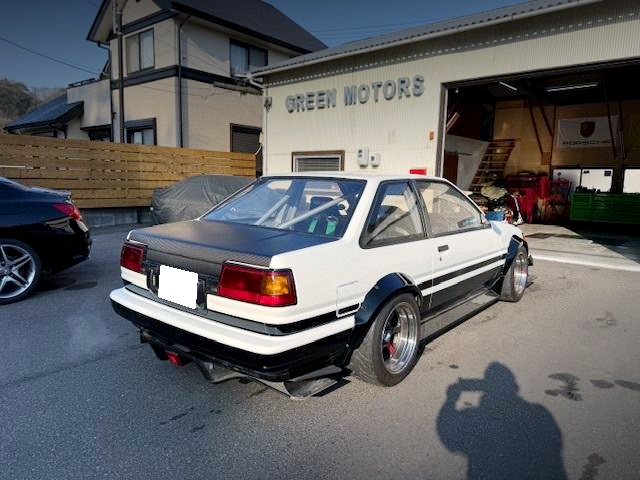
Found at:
(318, 161)
(140, 55)
(141, 132)
(247, 140)
(100, 133)
(244, 57)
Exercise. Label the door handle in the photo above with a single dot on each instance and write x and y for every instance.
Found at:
(443, 248)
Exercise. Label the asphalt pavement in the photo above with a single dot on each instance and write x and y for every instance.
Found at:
(545, 388)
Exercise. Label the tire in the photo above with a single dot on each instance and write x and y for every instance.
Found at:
(515, 280)
(20, 270)
(389, 351)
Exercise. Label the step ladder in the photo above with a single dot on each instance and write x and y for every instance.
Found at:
(493, 162)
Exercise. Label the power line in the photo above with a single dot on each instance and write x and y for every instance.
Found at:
(369, 27)
(93, 72)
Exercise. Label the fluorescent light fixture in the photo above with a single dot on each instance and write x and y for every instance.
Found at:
(510, 87)
(572, 87)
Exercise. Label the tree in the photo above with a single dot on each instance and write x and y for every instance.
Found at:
(16, 99)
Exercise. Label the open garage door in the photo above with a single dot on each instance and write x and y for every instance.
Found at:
(545, 135)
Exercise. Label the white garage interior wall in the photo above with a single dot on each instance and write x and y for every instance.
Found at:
(470, 154)
(631, 180)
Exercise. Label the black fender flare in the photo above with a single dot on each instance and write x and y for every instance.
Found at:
(514, 244)
(388, 286)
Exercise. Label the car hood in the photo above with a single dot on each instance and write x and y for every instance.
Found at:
(203, 246)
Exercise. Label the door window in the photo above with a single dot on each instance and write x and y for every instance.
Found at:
(394, 216)
(448, 210)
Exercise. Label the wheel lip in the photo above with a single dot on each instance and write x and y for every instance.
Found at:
(30, 274)
(520, 273)
(407, 344)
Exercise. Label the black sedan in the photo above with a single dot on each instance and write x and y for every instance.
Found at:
(41, 230)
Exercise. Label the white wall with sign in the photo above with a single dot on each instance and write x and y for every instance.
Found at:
(631, 180)
(389, 100)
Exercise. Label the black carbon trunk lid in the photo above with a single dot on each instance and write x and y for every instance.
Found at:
(203, 246)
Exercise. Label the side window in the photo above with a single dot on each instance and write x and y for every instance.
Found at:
(140, 52)
(141, 132)
(448, 210)
(244, 57)
(394, 216)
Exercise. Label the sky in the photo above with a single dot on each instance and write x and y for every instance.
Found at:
(58, 29)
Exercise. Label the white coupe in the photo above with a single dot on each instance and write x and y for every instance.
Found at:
(298, 279)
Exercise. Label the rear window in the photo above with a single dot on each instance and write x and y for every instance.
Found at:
(316, 206)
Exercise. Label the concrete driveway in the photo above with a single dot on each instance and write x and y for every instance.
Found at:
(546, 388)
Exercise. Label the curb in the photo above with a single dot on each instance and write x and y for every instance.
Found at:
(586, 263)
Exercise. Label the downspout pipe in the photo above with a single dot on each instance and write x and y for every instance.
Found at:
(118, 15)
(105, 46)
(180, 107)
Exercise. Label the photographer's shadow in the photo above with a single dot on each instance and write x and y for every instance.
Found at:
(504, 436)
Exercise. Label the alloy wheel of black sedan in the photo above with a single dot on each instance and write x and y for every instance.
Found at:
(20, 269)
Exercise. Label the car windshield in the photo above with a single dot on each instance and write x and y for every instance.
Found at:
(318, 206)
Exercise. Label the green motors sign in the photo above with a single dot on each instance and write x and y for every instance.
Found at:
(403, 87)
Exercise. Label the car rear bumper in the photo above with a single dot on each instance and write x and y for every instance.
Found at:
(273, 358)
(66, 245)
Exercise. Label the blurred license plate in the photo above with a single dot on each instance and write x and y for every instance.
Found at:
(178, 286)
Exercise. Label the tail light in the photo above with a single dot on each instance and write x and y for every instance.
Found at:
(132, 256)
(274, 288)
(68, 209)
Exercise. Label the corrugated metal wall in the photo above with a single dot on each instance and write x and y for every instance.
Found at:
(399, 129)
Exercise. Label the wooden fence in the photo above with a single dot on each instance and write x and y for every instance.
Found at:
(103, 174)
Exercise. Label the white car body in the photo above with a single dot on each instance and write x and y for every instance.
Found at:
(339, 282)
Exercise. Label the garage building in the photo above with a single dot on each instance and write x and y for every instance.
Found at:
(541, 96)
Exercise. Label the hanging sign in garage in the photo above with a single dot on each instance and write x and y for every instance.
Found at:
(585, 132)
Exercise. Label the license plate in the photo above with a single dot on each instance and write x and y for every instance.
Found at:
(178, 286)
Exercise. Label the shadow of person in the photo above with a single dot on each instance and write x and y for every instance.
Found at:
(504, 436)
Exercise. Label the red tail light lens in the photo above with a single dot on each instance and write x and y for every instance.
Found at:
(132, 256)
(68, 209)
(274, 288)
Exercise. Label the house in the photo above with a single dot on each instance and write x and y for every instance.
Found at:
(82, 112)
(182, 64)
(180, 74)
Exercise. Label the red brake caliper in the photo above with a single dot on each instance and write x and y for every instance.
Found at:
(392, 349)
